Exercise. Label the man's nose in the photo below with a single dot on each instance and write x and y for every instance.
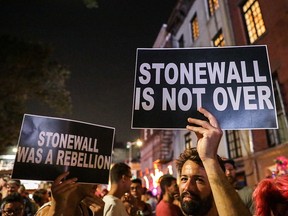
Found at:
(190, 185)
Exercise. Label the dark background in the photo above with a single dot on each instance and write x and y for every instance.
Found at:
(97, 45)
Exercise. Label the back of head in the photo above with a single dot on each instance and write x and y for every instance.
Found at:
(39, 194)
(118, 170)
(270, 192)
(192, 154)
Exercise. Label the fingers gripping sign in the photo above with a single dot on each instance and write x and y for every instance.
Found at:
(208, 133)
(62, 188)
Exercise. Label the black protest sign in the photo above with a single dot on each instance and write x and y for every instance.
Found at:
(233, 83)
(49, 146)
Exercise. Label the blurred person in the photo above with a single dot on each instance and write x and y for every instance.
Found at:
(120, 179)
(271, 197)
(152, 201)
(3, 185)
(40, 197)
(12, 204)
(70, 198)
(13, 186)
(169, 188)
(204, 188)
(136, 205)
(244, 192)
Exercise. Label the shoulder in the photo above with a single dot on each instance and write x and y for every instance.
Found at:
(113, 206)
(109, 199)
(43, 209)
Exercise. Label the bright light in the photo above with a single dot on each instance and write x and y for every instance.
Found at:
(170, 170)
(14, 150)
(154, 191)
(139, 143)
(146, 181)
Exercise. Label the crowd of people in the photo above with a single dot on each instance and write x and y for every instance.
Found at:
(207, 186)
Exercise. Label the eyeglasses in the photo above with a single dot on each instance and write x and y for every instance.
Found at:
(16, 211)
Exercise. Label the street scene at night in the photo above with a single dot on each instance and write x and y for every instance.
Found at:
(133, 108)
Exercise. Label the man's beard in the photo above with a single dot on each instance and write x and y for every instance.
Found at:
(196, 206)
(231, 180)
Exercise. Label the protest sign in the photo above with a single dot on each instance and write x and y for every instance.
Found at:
(49, 146)
(233, 83)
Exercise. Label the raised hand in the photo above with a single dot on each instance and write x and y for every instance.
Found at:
(208, 133)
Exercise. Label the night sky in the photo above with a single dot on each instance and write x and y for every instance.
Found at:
(97, 45)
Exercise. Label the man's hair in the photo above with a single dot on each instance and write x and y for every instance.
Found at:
(14, 182)
(230, 161)
(165, 181)
(192, 154)
(137, 181)
(38, 195)
(149, 192)
(118, 170)
(11, 198)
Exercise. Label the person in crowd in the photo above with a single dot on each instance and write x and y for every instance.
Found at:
(204, 188)
(70, 198)
(12, 204)
(136, 205)
(244, 191)
(152, 201)
(169, 188)
(3, 185)
(271, 197)
(13, 186)
(120, 179)
(40, 197)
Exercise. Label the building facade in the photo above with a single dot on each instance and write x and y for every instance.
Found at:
(218, 23)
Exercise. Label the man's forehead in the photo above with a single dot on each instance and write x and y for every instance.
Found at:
(190, 167)
(228, 165)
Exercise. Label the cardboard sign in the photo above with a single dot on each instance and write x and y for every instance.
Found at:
(49, 146)
(233, 83)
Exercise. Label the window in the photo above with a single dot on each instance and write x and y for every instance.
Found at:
(188, 140)
(195, 28)
(280, 135)
(254, 20)
(218, 40)
(213, 5)
(234, 144)
(181, 42)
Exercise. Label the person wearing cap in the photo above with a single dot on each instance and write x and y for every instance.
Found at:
(244, 191)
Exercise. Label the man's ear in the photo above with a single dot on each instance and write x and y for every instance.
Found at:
(123, 178)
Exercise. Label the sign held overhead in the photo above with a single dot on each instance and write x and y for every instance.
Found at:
(233, 83)
(49, 146)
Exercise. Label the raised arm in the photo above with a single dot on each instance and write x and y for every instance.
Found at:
(209, 135)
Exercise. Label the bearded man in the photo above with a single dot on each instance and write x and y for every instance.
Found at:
(204, 188)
